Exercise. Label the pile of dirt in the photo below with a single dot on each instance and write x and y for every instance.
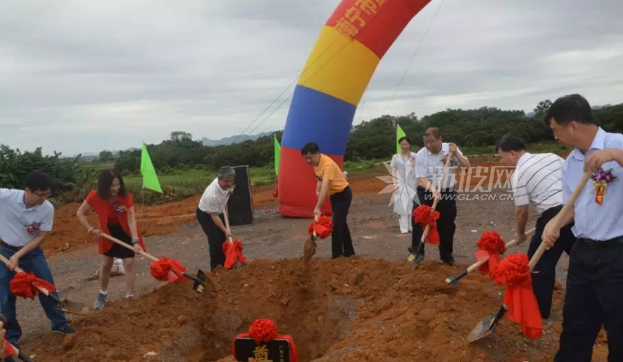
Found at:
(343, 310)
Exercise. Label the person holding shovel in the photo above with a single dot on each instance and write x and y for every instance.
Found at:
(537, 181)
(430, 162)
(210, 214)
(594, 293)
(26, 219)
(114, 207)
(331, 182)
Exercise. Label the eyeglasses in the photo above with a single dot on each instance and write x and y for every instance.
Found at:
(43, 195)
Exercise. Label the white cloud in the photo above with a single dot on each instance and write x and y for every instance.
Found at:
(81, 76)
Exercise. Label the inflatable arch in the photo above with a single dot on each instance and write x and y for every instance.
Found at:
(347, 52)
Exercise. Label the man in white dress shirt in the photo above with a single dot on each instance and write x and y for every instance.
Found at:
(594, 294)
(537, 181)
(430, 162)
(210, 214)
(26, 218)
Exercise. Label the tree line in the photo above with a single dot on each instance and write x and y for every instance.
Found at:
(368, 140)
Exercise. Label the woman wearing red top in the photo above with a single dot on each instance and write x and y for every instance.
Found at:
(115, 209)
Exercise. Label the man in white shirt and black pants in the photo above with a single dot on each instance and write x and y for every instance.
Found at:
(594, 294)
(537, 180)
(26, 218)
(430, 162)
(210, 214)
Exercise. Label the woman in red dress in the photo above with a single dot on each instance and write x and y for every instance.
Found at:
(115, 209)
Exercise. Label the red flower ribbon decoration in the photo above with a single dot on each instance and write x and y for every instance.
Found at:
(264, 331)
(9, 349)
(25, 285)
(165, 269)
(491, 246)
(425, 215)
(233, 252)
(323, 227)
(514, 272)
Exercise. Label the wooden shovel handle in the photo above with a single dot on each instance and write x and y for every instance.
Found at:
(443, 178)
(227, 223)
(566, 209)
(508, 245)
(125, 245)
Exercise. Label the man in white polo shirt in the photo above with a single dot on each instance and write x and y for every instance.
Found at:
(429, 166)
(210, 214)
(26, 218)
(537, 181)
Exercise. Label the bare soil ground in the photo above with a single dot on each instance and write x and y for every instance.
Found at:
(396, 313)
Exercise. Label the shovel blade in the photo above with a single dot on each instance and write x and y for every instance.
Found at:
(202, 283)
(70, 306)
(309, 250)
(486, 326)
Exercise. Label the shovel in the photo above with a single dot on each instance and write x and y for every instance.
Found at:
(20, 354)
(487, 325)
(230, 240)
(65, 305)
(309, 250)
(416, 259)
(454, 280)
(200, 279)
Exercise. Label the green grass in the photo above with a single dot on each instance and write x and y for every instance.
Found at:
(178, 178)
(99, 165)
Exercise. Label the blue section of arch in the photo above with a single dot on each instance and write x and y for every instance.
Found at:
(317, 117)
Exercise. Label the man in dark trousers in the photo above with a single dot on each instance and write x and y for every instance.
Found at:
(331, 182)
(537, 181)
(210, 214)
(430, 162)
(594, 294)
(26, 218)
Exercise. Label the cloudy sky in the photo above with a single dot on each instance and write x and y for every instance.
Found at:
(82, 76)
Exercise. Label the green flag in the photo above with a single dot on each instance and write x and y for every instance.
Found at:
(399, 134)
(277, 154)
(150, 179)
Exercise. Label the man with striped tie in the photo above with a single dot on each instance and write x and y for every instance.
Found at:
(537, 181)
(594, 295)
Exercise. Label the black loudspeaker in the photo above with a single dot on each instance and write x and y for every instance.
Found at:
(240, 203)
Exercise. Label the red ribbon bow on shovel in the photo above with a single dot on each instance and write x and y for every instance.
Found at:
(426, 215)
(233, 253)
(166, 269)
(25, 285)
(523, 308)
(491, 246)
(323, 227)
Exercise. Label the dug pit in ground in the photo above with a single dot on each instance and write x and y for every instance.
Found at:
(336, 310)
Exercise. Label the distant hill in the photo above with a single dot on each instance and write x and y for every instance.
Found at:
(230, 140)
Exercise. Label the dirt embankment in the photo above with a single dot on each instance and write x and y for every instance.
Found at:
(336, 310)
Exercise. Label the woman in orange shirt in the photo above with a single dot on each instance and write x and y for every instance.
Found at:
(114, 207)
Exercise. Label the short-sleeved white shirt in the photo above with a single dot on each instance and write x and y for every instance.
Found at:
(214, 198)
(15, 218)
(537, 180)
(431, 165)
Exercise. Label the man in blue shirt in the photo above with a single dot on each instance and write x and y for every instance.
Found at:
(594, 295)
(26, 218)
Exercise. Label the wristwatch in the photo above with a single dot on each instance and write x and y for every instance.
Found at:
(134, 241)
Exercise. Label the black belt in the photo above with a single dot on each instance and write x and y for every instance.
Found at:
(16, 248)
(611, 243)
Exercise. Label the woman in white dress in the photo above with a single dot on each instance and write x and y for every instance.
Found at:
(403, 165)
